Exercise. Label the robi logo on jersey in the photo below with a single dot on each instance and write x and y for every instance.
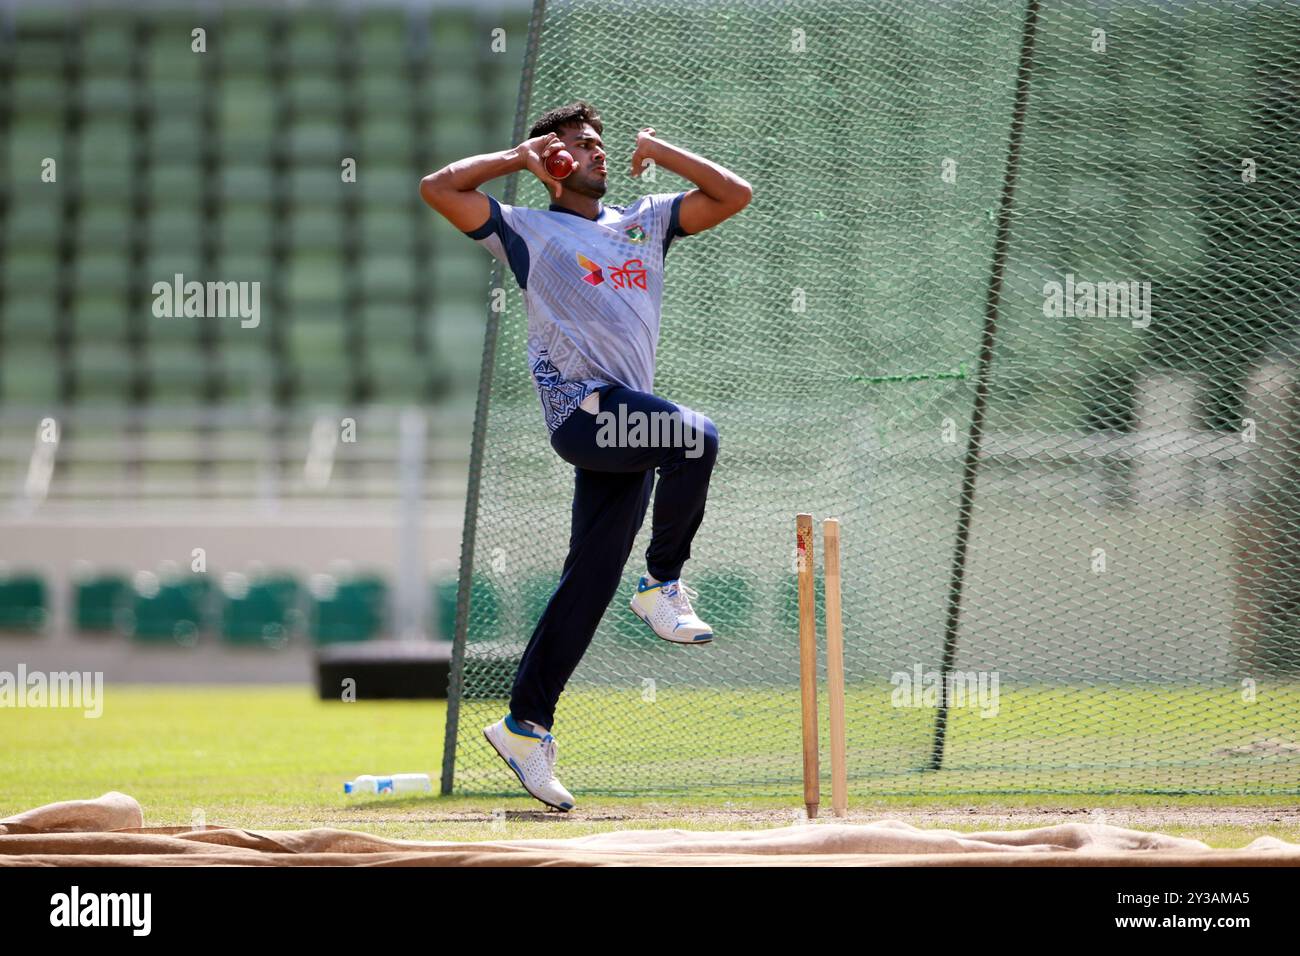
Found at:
(631, 273)
(593, 276)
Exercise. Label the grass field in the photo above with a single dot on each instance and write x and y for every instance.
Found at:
(276, 758)
(1159, 739)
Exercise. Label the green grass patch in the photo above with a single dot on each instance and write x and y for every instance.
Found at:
(276, 758)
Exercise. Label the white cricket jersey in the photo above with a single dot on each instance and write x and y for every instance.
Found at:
(592, 290)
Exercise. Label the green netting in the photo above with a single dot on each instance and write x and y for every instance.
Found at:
(1115, 541)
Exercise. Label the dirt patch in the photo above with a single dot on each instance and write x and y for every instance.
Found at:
(948, 817)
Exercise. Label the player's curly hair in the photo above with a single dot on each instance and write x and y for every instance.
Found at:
(579, 111)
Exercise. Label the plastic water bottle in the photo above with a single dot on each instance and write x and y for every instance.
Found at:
(393, 783)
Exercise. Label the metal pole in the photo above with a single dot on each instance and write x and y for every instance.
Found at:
(992, 306)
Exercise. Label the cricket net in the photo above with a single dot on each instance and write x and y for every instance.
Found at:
(1015, 300)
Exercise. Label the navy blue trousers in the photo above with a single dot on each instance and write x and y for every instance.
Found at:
(614, 473)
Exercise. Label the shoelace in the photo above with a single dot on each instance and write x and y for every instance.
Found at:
(548, 750)
(681, 598)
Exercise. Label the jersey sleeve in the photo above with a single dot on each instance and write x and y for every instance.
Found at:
(666, 212)
(503, 236)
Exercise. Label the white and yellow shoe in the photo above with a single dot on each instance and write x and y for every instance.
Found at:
(666, 607)
(531, 755)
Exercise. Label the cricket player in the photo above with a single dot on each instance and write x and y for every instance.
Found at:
(592, 277)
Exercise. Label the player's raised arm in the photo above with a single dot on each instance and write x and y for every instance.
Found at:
(719, 193)
(453, 190)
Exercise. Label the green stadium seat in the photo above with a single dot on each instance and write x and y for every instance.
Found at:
(464, 277)
(313, 45)
(387, 133)
(105, 141)
(483, 601)
(176, 95)
(30, 319)
(353, 609)
(251, 184)
(25, 375)
(175, 371)
(387, 230)
(24, 604)
(104, 228)
(380, 89)
(249, 107)
(388, 321)
(40, 26)
(32, 138)
(502, 86)
(108, 44)
(35, 222)
(29, 270)
(388, 186)
(252, 148)
(233, 337)
(322, 378)
(102, 381)
(381, 34)
(245, 226)
(247, 379)
(247, 103)
(388, 276)
(179, 139)
(99, 602)
(319, 187)
(261, 612)
(168, 609)
(173, 68)
(108, 95)
(103, 272)
(247, 264)
(175, 183)
(316, 94)
(315, 232)
(96, 182)
(102, 371)
(39, 94)
(99, 316)
(456, 95)
(315, 276)
(245, 42)
(318, 143)
(454, 137)
(176, 226)
(317, 339)
(458, 37)
(400, 376)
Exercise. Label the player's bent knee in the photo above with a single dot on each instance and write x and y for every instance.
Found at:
(703, 440)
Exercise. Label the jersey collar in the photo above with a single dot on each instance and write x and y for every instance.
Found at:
(600, 211)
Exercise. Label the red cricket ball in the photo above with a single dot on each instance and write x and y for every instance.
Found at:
(560, 163)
